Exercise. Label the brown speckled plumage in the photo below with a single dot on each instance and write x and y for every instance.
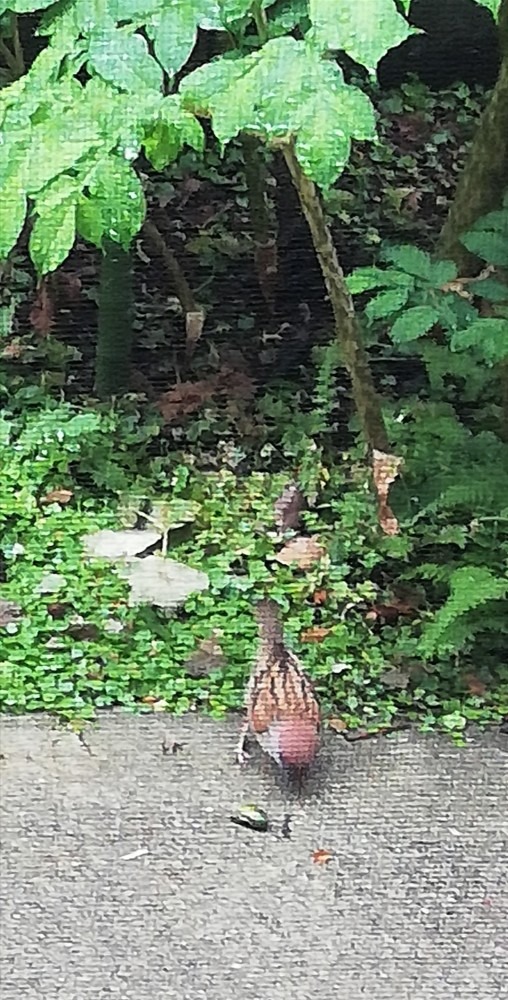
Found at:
(282, 710)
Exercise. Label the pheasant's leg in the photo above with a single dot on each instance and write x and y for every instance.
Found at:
(241, 755)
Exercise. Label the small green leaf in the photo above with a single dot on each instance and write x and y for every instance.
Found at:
(366, 279)
(387, 303)
(124, 61)
(442, 271)
(174, 33)
(492, 290)
(414, 323)
(410, 259)
(489, 336)
(491, 246)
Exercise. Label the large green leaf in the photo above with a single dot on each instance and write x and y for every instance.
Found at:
(365, 29)
(13, 206)
(123, 60)
(174, 29)
(115, 207)
(284, 90)
(414, 323)
(174, 128)
(410, 259)
(234, 10)
(492, 5)
(489, 336)
(24, 6)
(366, 279)
(53, 235)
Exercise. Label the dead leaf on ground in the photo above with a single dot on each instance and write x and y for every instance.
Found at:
(194, 323)
(302, 552)
(385, 469)
(58, 496)
(338, 725)
(188, 397)
(320, 596)
(322, 856)
(395, 679)
(315, 634)
(288, 508)
(392, 611)
(14, 349)
(475, 686)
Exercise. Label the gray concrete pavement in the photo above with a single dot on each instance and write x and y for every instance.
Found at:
(413, 907)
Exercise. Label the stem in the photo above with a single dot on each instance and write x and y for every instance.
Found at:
(18, 48)
(115, 331)
(260, 20)
(14, 60)
(354, 356)
(10, 59)
(265, 246)
(174, 271)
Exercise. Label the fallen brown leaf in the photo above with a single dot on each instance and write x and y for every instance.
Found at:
(475, 685)
(315, 634)
(58, 496)
(320, 596)
(322, 856)
(301, 551)
(385, 469)
(338, 725)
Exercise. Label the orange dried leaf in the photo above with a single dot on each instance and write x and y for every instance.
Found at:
(58, 496)
(320, 596)
(385, 469)
(149, 699)
(474, 685)
(301, 552)
(322, 856)
(338, 725)
(315, 634)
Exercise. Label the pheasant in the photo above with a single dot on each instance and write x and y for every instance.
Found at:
(282, 710)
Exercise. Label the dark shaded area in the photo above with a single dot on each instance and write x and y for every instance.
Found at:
(460, 44)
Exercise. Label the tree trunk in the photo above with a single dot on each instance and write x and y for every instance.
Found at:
(115, 331)
(367, 403)
(484, 179)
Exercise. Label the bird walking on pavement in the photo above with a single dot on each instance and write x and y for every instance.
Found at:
(282, 710)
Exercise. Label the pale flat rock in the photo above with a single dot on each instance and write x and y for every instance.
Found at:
(165, 583)
(117, 545)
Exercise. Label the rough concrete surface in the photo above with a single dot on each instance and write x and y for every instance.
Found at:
(413, 906)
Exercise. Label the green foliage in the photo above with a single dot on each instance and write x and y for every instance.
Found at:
(365, 31)
(284, 89)
(65, 168)
(488, 237)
